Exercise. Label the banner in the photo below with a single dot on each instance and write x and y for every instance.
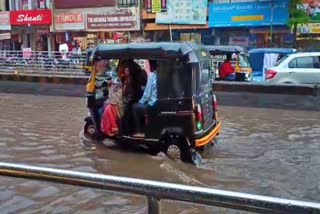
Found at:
(184, 12)
(248, 13)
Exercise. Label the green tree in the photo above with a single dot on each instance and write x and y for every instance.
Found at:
(296, 13)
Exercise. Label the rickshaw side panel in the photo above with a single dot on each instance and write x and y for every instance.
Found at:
(171, 116)
(174, 109)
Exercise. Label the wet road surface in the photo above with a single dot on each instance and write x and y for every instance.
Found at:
(260, 151)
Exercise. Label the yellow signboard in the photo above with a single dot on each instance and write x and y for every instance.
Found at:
(308, 28)
(156, 6)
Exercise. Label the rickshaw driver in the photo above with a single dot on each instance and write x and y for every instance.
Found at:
(226, 70)
(148, 100)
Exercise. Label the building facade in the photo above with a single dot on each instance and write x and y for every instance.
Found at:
(249, 23)
(96, 21)
(25, 24)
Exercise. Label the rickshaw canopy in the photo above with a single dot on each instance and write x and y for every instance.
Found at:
(224, 49)
(273, 50)
(183, 51)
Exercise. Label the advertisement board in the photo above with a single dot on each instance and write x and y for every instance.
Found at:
(184, 12)
(312, 8)
(5, 21)
(308, 28)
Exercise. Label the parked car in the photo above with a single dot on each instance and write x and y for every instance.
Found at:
(297, 68)
(263, 58)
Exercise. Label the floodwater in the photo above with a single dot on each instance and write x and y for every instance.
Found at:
(260, 151)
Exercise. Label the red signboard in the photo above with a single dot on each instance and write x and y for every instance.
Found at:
(30, 17)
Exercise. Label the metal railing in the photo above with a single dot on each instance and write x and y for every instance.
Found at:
(42, 62)
(157, 191)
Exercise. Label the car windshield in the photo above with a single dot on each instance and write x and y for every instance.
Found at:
(244, 61)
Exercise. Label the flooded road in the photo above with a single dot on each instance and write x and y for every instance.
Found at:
(260, 151)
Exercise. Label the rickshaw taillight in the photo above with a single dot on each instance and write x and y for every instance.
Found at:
(199, 117)
(199, 113)
(214, 103)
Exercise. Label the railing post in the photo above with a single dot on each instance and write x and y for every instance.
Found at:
(153, 205)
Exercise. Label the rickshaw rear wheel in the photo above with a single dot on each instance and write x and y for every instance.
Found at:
(177, 149)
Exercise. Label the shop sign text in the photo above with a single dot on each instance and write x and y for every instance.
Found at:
(30, 17)
(123, 20)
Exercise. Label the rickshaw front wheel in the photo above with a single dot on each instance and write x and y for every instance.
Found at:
(89, 129)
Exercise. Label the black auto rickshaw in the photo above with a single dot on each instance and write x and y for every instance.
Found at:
(185, 117)
(240, 61)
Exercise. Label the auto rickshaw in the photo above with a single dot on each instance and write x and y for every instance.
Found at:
(185, 117)
(240, 61)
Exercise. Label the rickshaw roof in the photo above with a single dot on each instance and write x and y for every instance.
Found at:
(224, 49)
(272, 50)
(188, 51)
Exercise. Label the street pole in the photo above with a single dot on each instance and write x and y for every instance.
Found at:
(271, 23)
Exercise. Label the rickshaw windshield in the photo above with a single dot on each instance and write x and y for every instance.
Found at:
(204, 77)
(244, 61)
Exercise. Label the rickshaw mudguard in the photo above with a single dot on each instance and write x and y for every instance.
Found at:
(208, 137)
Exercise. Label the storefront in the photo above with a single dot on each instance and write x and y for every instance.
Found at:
(32, 29)
(95, 25)
(68, 27)
(250, 24)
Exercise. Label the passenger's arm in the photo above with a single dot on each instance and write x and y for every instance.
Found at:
(147, 91)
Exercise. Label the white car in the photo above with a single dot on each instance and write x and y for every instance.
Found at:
(297, 68)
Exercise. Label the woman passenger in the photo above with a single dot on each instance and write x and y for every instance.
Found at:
(112, 110)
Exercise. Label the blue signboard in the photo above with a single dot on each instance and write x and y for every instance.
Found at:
(248, 13)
